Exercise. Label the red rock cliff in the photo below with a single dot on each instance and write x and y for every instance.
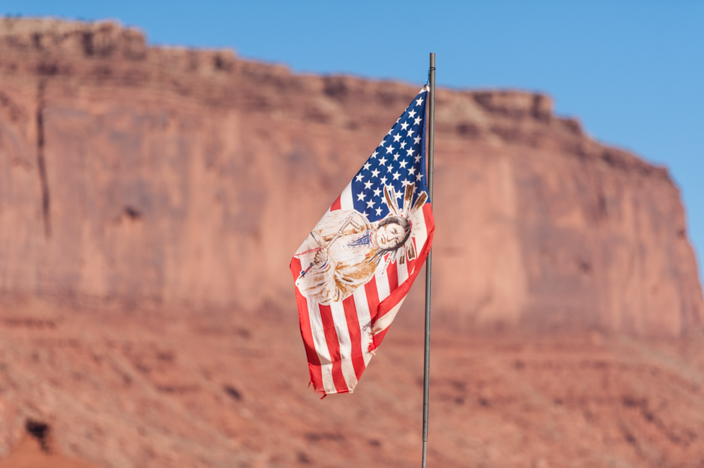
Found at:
(175, 178)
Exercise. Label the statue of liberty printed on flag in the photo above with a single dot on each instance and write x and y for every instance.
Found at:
(356, 266)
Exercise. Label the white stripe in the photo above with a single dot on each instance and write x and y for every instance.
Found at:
(421, 231)
(365, 322)
(346, 201)
(343, 337)
(382, 281)
(321, 346)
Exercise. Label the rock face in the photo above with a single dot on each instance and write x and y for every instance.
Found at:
(171, 178)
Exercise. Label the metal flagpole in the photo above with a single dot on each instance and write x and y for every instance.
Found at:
(429, 260)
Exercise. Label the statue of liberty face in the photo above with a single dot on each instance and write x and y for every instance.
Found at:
(389, 235)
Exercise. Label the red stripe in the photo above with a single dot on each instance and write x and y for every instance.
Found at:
(316, 374)
(372, 299)
(355, 335)
(333, 348)
(429, 223)
(336, 205)
(379, 337)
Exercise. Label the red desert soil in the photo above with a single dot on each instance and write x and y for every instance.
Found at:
(36, 450)
(135, 389)
(150, 201)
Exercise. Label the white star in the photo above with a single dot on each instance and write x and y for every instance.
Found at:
(361, 196)
(366, 166)
(417, 120)
(410, 132)
(389, 149)
(396, 175)
(378, 211)
(412, 114)
(397, 137)
(405, 182)
(396, 156)
(419, 101)
(382, 161)
(416, 140)
(375, 173)
(403, 144)
(412, 170)
(377, 192)
(419, 176)
(418, 158)
(390, 131)
(368, 185)
(399, 195)
(403, 164)
(374, 154)
(404, 126)
(371, 203)
(359, 177)
(410, 151)
(383, 180)
(390, 167)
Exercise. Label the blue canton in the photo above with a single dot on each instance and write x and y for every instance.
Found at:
(398, 161)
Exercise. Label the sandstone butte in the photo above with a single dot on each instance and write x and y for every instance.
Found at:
(151, 199)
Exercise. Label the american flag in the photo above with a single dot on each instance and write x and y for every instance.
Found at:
(356, 267)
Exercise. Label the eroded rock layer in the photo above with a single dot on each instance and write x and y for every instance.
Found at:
(181, 179)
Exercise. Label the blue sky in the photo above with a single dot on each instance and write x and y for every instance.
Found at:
(631, 71)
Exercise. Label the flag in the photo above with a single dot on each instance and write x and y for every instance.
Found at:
(356, 266)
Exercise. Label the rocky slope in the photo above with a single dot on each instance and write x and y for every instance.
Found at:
(151, 199)
(226, 390)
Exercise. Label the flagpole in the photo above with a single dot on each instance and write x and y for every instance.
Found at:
(429, 261)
